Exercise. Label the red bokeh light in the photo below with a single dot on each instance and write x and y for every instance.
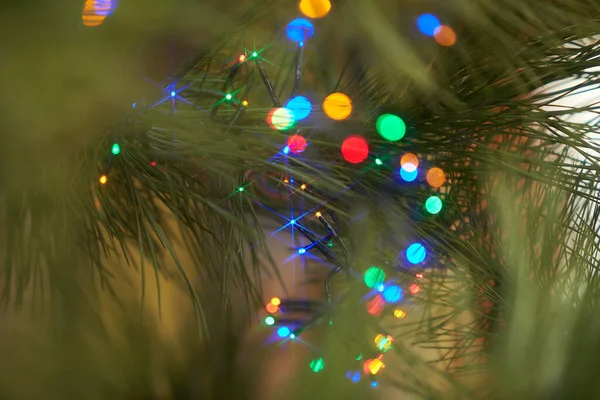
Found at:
(355, 149)
(296, 144)
(414, 288)
(376, 305)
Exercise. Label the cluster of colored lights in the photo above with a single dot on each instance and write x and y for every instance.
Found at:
(430, 25)
(95, 12)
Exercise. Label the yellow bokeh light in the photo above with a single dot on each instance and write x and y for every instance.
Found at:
(398, 313)
(435, 177)
(315, 8)
(275, 301)
(90, 15)
(245, 103)
(337, 106)
(103, 179)
(375, 366)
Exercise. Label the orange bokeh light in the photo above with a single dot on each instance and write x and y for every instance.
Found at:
(435, 177)
(414, 288)
(445, 36)
(271, 308)
(315, 8)
(409, 158)
(337, 106)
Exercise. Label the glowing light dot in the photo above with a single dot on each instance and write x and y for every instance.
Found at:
(374, 276)
(245, 103)
(296, 144)
(269, 321)
(271, 308)
(292, 336)
(355, 149)
(433, 205)
(301, 250)
(445, 36)
(280, 118)
(419, 276)
(303, 187)
(428, 23)
(299, 106)
(355, 377)
(378, 161)
(315, 8)
(435, 177)
(383, 343)
(375, 306)
(116, 149)
(284, 331)
(409, 158)
(400, 314)
(337, 106)
(375, 366)
(317, 365)
(409, 172)
(103, 179)
(416, 253)
(292, 222)
(390, 127)
(173, 93)
(414, 288)
(276, 301)
(286, 150)
(318, 214)
(254, 54)
(300, 30)
(153, 163)
(242, 58)
(374, 384)
(241, 189)
(228, 96)
(392, 294)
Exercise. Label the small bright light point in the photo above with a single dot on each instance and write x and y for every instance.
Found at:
(303, 186)
(435, 177)
(317, 364)
(242, 58)
(271, 308)
(416, 253)
(375, 306)
(355, 149)
(276, 301)
(380, 287)
(292, 336)
(414, 288)
(296, 144)
(116, 149)
(228, 96)
(241, 189)
(428, 23)
(356, 377)
(300, 106)
(133, 105)
(153, 163)
(281, 118)
(407, 174)
(245, 103)
(300, 30)
(433, 205)
(375, 366)
(292, 222)
(329, 244)
(301, 44)
(392, 294)
(390, 127)
(374, 276)
(269, 321)
(378, 161)
(315, 8)
(445, 36)
(173, 93)
(254, 54)
(318, 214)
(400, 314)
(284, 331)
(103, 179)
(337, 106)
(286, 150)
(301, 250)
(374, 384)
(419, 275)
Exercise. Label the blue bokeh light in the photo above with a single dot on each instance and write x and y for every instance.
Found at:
(286, 150)
(299, 106)
(301, 250)
(409, 176)
(283, 331)
(428, 23)
(392, 294)
(374, 383)
(300, 30)
(416, 253)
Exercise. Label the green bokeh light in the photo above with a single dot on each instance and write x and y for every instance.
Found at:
(433, 205)
(317, 364)
(390, 127)
(269, 321)
(116, 149)
(374, 276)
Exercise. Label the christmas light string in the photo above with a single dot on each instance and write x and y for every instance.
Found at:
(337, 106)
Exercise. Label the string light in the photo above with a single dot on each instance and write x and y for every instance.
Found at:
(116, 149)
(296, 144)
(315, 8)
(409, 172)
(435, 177)
(375, 306)
(245, 103)
(242, 58)
(271, 308)
(103, 179)
(280, 118)
(283, 331)
(400, 314)
(445, 36)
(428, 23)
(414, 288)
(317, 365)
(409, 158)
(270, 321)
(433, 205)
(390, 127)
(416, 253)
(299, 106)
(392, 294)
(383, 342)
(303, 186)
(355, 149)
(375, 366)
(337, 106)
(300, 30)
(374, 276)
